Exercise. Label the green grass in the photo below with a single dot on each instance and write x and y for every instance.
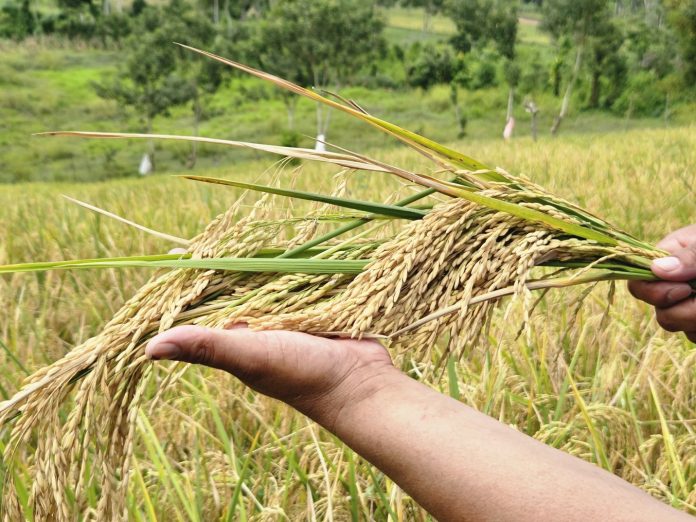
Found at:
(618, 393)
(412, 19)
(529, 33)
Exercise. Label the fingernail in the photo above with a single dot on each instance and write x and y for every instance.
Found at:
(163, 351)
(679, 293)
(668, 264)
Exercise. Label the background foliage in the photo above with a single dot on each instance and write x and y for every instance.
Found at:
(445, 68)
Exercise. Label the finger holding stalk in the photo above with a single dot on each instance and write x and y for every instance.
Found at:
(674, 298)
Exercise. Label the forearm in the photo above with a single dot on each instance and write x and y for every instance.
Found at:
(460, 464)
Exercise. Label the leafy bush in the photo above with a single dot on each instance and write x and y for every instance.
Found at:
(17, 21)
(484, 70)
(643, 96)
(433, 65)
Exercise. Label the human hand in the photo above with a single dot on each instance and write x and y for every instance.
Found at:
(673, 298)
(315, 375)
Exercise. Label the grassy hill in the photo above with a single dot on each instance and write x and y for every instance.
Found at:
(49, 86)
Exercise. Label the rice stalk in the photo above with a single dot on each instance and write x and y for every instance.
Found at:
(423, 275)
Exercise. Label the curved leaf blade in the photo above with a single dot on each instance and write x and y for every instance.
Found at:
(365, 206)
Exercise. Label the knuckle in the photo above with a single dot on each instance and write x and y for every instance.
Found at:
(635, 287)
(667, 321)
(655, 295)
(688, 254)
(204, 350)
(651, 293)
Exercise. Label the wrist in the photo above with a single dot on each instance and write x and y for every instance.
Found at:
(352, 392)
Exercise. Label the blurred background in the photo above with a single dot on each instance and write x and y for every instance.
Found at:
(452, 70)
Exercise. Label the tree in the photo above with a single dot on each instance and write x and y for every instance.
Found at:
(17, 20)
(605, 60)
(437, 64)
(578, 20)
(77, 19)
(151, 80)
(480, 22)
(682, 16)
(319, 43)
(201, 76)
(433, 65)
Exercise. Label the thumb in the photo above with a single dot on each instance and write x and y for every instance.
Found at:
(680, 266)
(238, 351)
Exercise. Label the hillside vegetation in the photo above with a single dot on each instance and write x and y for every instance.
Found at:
(417, 77)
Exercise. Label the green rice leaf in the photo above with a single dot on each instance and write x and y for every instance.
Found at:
(43, 266)
(243, 264)
(365, 206)
(530, 214)
(302, 249)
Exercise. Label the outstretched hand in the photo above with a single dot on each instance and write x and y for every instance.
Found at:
(431, 445)
(673, 298)
(315, 375)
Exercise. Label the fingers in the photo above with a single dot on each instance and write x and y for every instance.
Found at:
(237, 351)
(679, 318)
(678, 239)
(681, 265)
(661, 294)
(675, 308)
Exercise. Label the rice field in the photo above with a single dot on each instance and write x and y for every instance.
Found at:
(600, 381)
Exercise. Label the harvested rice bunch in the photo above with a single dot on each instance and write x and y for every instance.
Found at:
(438, 276)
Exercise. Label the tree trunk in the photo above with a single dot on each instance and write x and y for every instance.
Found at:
(197, 112)
(557, 78)
(150, 143)
(534, 126)
(426, 22)
(290, 104)
(426, 18)
(323, 119)
(458, 116)
(454, 98)
(565, 104)
(216, 12)
(319, 145)
(147, 162)
(595, 89)
(533, 110)
(323, 115)
(509, 121)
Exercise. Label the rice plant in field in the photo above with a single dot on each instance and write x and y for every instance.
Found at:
(430, 267)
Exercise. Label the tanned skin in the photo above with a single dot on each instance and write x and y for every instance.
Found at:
(456, 462)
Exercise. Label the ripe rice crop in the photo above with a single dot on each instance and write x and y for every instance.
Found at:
(412, 275)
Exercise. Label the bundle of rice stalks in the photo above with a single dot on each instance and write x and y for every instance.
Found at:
(436, 276)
